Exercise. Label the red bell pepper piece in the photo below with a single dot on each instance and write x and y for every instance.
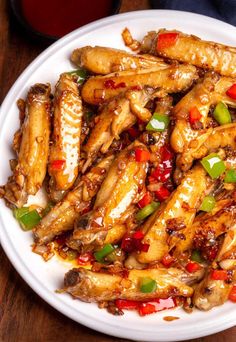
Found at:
(155, 305)
(125, 304)
(85, 259)
(194, 115)
(219, 275)
(162, 193)
(168, 260)
(145, 200)
(192, 267)
(142, 155)
(231, 92)
(166, 40)
(57, 164)
(232, 294)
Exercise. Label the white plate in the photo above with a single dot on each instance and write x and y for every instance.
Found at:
(43, 277)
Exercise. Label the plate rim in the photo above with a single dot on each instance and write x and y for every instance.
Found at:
(5, 241)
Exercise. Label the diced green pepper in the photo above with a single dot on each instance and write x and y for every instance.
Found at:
(214, 165)
(147, 210)
(208, 203)
(222, 114)
(230, 176)
(196, 256)
(29, 220)
(80, 73)
(100, 255)
(158, 123)
(19, 212)
(72, 255)
(148, 285)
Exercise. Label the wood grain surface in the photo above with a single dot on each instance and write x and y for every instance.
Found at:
(24, 316)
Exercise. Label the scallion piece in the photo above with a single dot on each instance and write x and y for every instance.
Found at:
(208, 203)
(29, 220)
(19, 212)
(214, 165)
(148, 285)
(222, 114)
(147, 210)
(196, 256)
(80, 73)
(158, 123)
(230, 176)
(102, 253)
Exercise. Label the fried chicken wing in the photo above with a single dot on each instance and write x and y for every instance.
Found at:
(61, 217)
(210, 293)
(116, 116)
(65, 148)
(92, 286)
(171, 79)
(174, 215)
(120, 189)
(191, 49)
(209, 141)
(104, 60)
(30, 171)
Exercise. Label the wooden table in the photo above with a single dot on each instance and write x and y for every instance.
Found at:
(23, 315)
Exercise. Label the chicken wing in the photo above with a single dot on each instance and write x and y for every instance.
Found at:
(104, 60)
(191, 49)
(61, 217)
(209, 141)
(171, 79)
(122, 187)
(210, 293)
(92, 286)
(65, 148)
(174, 215)
(30, 171)
(117, 116)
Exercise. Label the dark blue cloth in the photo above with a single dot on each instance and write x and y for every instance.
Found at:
(224, 10)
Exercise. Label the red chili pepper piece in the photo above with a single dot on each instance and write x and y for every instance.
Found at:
(144, 247)
(162, 193)
(231, 92)
(109, 84)
(155, 305)
(166, 40)
(232, 294)
(168, 260)
(85, 259)
(138, 235)
(57, 164)
(219, 275)
(194, 115)
(131, 244)
(192, 267)
(161, 174)
(142, 155)
(125, 304)
(145, 200)
(166, 153)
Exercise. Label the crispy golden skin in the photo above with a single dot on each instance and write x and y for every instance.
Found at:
(31, 167)
(174, 215)
(94, 287)
(66, 133)
(210, 293)
(171, 79)
(61, 217)
(207, 227)
(104, 60)
(117, 116)
(210, 141)
(204, 54)
(208, 92)
(122, 187)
